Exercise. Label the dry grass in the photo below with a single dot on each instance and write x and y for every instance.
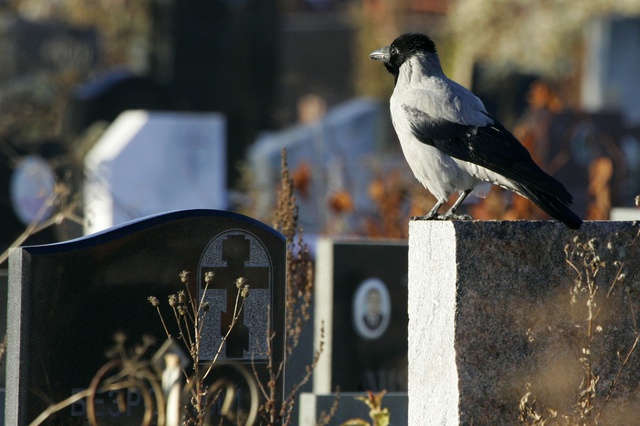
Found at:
(190, 315)
(597, 371)
(299, 286)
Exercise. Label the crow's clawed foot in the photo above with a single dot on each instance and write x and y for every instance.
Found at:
(446, 216)
(452, 216)
(429, 217)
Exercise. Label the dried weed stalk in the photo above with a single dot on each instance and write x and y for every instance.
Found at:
(65, 204)
(190, 314)
(299, 283)
(299, 263)
(599, 290)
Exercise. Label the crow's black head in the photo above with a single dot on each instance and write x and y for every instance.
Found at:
(402, 48)
(410, 43)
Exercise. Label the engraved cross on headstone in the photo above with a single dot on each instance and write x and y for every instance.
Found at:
(234, 259)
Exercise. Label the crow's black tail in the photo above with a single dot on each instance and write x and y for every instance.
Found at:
(552, 206)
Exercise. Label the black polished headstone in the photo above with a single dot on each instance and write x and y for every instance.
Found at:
(361, 297)
(67, 300)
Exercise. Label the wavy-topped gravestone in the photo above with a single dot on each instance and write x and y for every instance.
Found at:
(67, 300)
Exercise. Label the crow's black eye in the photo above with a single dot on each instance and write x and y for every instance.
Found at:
(393, 50)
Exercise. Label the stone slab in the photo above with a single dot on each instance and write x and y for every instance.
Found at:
(490, 311)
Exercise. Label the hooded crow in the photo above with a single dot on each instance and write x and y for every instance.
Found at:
(450, 141)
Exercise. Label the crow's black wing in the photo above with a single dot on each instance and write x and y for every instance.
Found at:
(491, 146)
(496, 149)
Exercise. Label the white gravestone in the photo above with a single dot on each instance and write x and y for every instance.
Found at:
(153, 162)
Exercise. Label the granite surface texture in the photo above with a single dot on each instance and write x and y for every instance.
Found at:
(498, 309)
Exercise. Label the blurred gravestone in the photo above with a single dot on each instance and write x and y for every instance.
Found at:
(625, 213)
(152, 162)
(32, 188)
(577, 142)
(361, 295)
(611, 65)
(111, 93)
(225, 56)
(53, 46)
(67, 300)
(334, 150)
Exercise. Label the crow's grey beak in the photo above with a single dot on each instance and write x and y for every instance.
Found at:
(381, 54)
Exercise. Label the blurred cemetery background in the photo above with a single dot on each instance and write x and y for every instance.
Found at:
(227, 83)
(111, 110)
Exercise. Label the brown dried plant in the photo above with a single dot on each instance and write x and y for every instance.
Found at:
(299, 289)
(388, 191)
(63, 201)
(379, 416)
(601, 288)
(190, 314)
(299, 263)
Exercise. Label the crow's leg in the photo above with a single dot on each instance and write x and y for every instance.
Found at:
(433, 214)
(451, 214)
